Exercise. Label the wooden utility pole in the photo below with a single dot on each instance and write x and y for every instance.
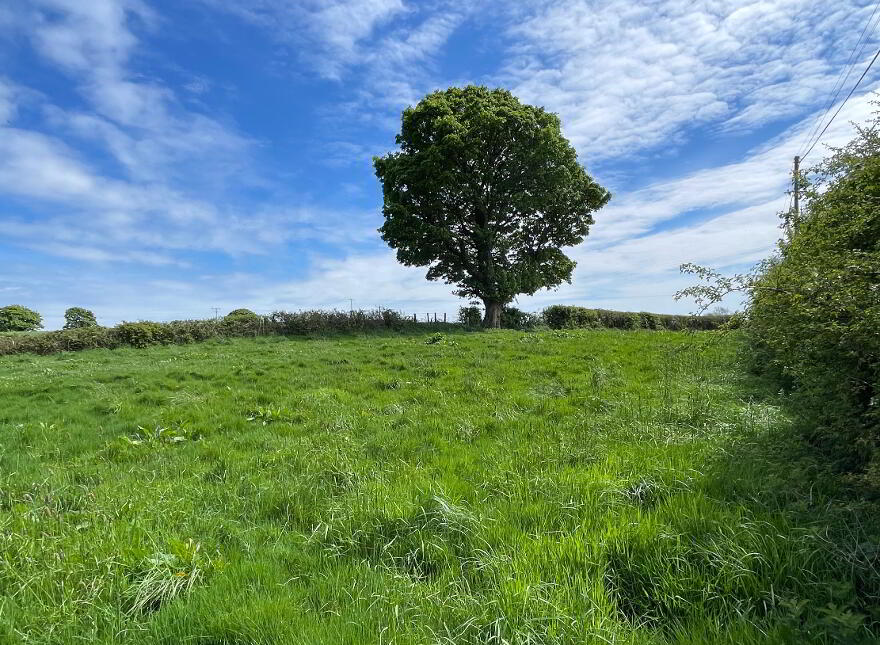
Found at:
(797, 191)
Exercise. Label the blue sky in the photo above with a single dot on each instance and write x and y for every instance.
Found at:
(160, 158)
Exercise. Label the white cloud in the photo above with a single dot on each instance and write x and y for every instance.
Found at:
(85, 35)
(342, 40)
(329, 34)
(106, 215)
(91, 254)
(173, 164)
(761, 177)
(628, 77)
(8, 106)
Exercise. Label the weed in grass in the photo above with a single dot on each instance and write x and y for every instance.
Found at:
(267, 414)
(166, 575)
(157, 435)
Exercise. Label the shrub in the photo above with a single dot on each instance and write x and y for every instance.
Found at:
(241, 322)
(614, 319)
(143, 333)
(77, 317)
(19, 318)
(79, 338)
(470, 316)
(393, 319)
(182, 332)
(570, 317)
(319, 322)
(513, 318)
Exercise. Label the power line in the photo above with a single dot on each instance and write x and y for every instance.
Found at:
(855, 87)
(844, 75)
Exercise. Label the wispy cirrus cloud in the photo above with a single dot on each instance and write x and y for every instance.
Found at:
(330, 35)
(386, 51)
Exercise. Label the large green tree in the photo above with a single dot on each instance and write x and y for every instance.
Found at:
(486, 192)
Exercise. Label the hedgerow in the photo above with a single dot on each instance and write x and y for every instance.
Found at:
(244, 324)
(571, 317)
(812, 310)
(178, 332)
(815, 308)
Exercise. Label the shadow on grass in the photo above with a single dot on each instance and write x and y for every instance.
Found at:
(824, 545)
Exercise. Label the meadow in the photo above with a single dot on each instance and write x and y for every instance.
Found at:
(583, 486)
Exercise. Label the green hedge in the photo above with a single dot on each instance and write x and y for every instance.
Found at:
(814, 319)
(571, 317)
(179, 332)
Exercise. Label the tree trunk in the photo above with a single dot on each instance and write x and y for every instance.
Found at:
(492, 319)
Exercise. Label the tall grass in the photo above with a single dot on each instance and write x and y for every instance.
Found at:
(549, 487)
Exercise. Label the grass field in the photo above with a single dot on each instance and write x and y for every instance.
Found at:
(550, 487)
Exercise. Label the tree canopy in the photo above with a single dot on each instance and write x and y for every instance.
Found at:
(485, 191)
(77, 317)
(19, 318)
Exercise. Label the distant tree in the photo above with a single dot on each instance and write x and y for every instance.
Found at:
(486, 191)
(19, 318)
(77, 317)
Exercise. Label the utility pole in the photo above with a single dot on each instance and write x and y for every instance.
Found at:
(797, 191)
(216, 312)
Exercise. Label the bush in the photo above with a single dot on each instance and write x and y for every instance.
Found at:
(67, 340)
(317, 321)
(393, 319)
(470, 316)
(181, 332)
(77, 317)
(569, 317)
(241, 322)
(19, 318)
(513, 318)
(80, 338)
(143, 334)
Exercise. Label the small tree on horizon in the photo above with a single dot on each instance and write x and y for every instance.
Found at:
(19, 318)
(485, 191)
(76, 317)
